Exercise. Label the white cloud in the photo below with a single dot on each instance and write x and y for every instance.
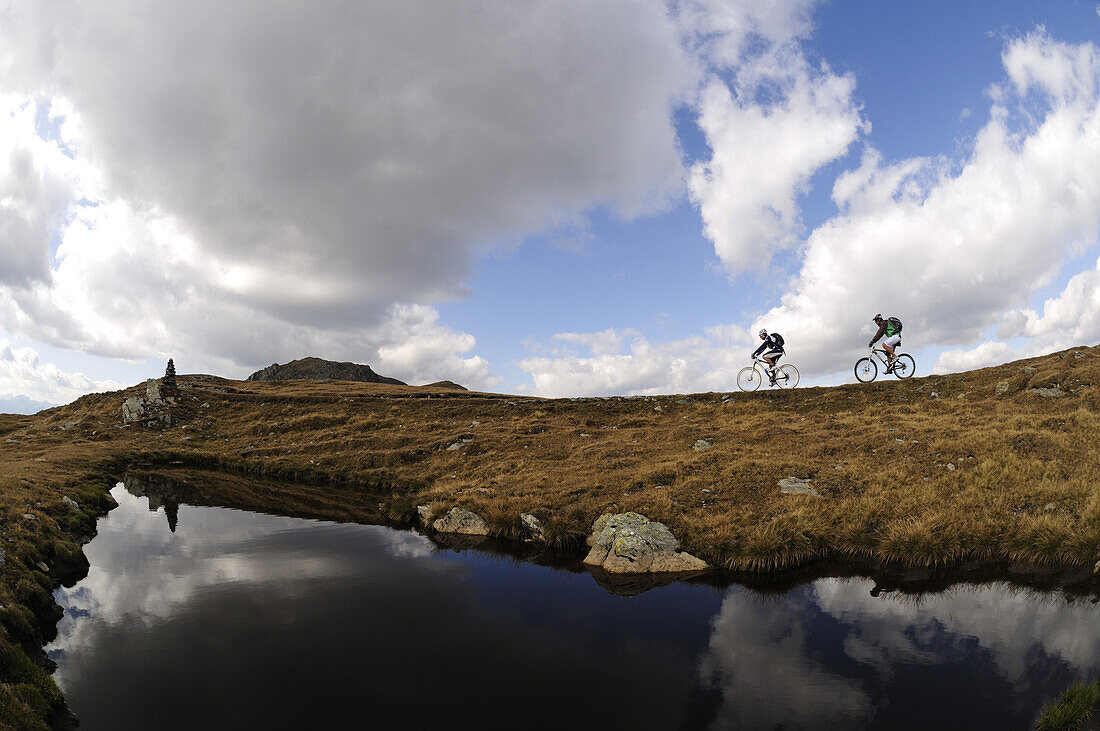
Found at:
(296, 175)
(778, 121)
(988, 353)
(952, 249)
(626, 363)
(31, 382)
(1071, 318)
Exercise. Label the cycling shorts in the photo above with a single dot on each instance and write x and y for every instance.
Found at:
(893, 341)
(773, 354)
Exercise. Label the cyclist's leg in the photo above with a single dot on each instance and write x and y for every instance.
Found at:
(772, 356)
(888, 344)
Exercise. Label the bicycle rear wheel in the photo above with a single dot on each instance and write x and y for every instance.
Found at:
(786, 376)
(748, 379)
(866, 370)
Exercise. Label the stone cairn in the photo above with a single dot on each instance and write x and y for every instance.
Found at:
(155, 409)
(168, 388)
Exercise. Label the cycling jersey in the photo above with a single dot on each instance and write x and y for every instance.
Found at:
(770, 343)
(888, 328)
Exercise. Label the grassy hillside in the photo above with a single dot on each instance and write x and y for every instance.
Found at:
(924, 472)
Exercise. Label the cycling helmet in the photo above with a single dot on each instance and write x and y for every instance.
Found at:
(876, 318)
(763, 333)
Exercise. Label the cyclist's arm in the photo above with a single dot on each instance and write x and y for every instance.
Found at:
(760, 350)
(881, 330)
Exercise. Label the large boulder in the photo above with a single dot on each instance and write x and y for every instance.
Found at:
(151, 410)
(630, 543)
(133, 409)
(461, 522)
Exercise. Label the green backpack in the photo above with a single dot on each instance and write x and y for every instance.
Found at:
(893, 326)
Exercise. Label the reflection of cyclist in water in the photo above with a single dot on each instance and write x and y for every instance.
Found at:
(773, 344)
(891, 328)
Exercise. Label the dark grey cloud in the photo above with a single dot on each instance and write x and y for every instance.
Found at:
(368, 148)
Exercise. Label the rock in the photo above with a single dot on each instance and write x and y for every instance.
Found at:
(462, 522)
(1049, 392)
(152, 391)
(71, 503)
(1079, 355)
(933, 395)
(1029, 369)
(701, 445)
(133, 409)
(1050, 507)
(950, 467)
(457, 445)
(630, 543)
(3, 557)
(1096, 569)
(1002, 386)
(29, 516)
(425, 514)
(42, 567)
(533, 527)
(68, 425)
(796, 486)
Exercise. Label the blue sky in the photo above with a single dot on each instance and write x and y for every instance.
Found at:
(557, 198)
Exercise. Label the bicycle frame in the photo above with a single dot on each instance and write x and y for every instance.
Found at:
(881, 355)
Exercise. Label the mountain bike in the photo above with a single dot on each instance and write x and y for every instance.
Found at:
(749, 378)
(867, 367)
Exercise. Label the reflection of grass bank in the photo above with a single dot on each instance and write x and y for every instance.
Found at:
(978, 471)
(1072, 708)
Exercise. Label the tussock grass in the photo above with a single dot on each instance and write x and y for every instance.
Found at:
(1072, 709)
(904, 476)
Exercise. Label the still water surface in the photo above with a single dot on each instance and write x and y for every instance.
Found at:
(245, 620)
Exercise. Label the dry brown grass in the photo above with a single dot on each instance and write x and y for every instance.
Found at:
(904, 477)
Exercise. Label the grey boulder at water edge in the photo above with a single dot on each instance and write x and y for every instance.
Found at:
(630, 543)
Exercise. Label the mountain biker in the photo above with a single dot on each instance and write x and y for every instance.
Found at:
(891, 328)
(773, 344)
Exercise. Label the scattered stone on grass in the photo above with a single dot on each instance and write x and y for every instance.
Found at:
(1029, 369)
(701, 445)
(1050, 507)
(71, 503)
(29, 516)
(425, 514)
(533, 527)
(462, 522)
(796, 486)
(42, 567)
(459, 444)
(630, 543)
(933, 395)
(3, 557)
(1002, 386)
(1049, 392)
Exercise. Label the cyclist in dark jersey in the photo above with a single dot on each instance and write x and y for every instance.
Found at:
(891, 328)
(773, 344)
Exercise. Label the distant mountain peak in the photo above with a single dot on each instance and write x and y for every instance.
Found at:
(319, 369)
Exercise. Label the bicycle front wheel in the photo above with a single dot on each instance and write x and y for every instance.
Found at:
(904, 365)
(866, 370)
(786, 376)
(748, 379)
